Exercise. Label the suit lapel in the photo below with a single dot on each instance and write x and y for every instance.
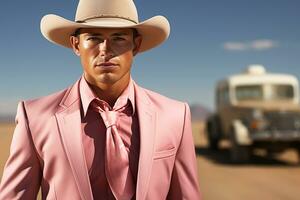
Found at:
(147, 121)
(69, 122)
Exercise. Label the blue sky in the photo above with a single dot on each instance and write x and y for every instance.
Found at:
(209, 40)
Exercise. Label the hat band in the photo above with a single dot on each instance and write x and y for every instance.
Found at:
(106, 16)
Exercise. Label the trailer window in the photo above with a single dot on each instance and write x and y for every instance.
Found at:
(281, 92)
(249, 92)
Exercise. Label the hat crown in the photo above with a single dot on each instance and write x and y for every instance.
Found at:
(93, 9)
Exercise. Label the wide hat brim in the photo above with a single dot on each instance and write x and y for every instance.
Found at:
(58, 30)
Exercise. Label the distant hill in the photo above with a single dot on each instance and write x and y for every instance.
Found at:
(199, 112)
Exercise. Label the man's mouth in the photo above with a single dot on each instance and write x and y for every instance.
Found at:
(107, 65)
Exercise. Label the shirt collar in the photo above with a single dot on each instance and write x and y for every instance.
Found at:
(87, 96)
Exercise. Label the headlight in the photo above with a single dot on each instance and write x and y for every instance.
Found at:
(258, 122)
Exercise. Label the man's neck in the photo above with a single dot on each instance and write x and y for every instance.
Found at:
(110, 92)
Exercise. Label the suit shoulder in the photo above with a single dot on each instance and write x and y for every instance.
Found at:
(158, 99)
(172, 115)
(167, 107)
(45, 104)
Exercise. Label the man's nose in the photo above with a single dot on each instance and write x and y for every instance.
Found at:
(105, 49)
(104, 45)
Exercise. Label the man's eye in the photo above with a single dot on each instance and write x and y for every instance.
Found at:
(93, 39)
(118, 39)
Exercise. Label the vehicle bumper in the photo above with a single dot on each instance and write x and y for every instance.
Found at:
(275, 136)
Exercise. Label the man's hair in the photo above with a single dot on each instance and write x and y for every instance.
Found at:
(135, 33)
(77, 32)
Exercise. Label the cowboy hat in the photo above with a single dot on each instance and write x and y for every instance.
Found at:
(105, 14)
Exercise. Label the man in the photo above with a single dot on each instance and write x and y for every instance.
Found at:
(104, 137)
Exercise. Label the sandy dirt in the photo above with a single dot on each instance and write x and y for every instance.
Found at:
(262, 178)
(6, 130)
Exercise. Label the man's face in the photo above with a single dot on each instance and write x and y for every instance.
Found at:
(106, 54)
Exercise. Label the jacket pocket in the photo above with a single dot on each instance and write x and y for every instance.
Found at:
(164, 153)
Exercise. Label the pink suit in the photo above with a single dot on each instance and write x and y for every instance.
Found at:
(47, 150)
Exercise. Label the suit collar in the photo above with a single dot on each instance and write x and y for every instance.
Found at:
(71, 96)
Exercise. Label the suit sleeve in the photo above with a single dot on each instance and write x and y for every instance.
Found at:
(184, 183)
(22, 173)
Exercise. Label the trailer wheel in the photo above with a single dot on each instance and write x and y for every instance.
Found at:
(212, 129)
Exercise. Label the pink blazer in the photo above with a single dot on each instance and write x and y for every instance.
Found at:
(47, 151)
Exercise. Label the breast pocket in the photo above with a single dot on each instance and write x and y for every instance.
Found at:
(164, 153)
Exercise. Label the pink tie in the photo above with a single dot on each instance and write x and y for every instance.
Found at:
(116, 156)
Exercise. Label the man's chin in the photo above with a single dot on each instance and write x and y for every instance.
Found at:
(107, 79)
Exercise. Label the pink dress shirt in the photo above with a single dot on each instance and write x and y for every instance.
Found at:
(93, 137)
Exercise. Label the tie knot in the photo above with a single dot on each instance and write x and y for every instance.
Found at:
(109, 118)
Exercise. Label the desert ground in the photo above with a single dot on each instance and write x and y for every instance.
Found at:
(262, 178)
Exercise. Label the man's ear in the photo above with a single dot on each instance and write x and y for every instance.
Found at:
(74, 41)
(137, 44)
